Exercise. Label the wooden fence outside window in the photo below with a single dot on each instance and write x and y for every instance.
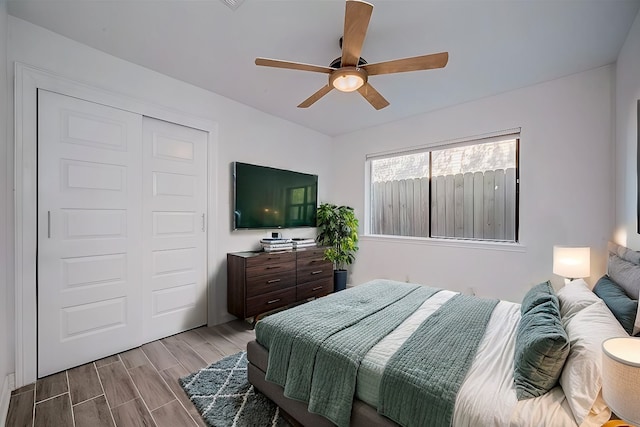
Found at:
(474, 205)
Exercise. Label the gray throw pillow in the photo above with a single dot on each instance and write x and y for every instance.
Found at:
(537, 295)
(626, 274)
(542, 345)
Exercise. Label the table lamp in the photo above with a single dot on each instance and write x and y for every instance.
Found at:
(621, 379)
(572, 262)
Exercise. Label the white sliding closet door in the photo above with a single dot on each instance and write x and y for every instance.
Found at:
(89, 231)
(122, 249)
(174, 228)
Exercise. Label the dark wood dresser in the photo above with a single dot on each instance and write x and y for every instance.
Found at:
(258, 282)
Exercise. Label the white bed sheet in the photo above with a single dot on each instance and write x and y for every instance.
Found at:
(372, 366)
(487, 397)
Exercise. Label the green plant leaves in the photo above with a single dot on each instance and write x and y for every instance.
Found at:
(338, 229)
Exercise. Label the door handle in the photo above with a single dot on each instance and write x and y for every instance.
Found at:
(48, 224)
(202, 222)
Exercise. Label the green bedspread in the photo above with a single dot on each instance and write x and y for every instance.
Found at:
(421, 380)
(342, 353)
(315, 349)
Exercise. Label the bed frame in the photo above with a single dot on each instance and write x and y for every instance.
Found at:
(362, 415)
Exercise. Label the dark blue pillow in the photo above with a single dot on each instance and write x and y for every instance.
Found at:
(623, 308)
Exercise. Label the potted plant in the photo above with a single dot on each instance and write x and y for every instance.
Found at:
(338, 230)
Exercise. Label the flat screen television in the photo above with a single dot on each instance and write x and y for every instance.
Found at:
(265, 197)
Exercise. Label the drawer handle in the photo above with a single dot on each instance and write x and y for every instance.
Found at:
(273, 301)
(271, 267)
(313, 273)
(317, 288)
(272, 257)
(273, 281)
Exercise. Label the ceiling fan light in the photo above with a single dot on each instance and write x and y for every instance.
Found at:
(348, 79)
(348, 82)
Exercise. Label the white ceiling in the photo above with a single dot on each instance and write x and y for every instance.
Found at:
(494, 46)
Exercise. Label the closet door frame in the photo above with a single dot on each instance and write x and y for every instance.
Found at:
(26, 84)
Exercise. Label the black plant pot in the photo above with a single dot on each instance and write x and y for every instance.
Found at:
(339, 280)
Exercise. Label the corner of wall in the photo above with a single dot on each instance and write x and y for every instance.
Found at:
(7, 378)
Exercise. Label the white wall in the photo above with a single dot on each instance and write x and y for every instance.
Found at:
(627, 96)
(244, 134)
(565, 192)
(6, 288)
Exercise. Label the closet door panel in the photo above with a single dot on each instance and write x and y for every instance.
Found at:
(89, 231)
(174, 228)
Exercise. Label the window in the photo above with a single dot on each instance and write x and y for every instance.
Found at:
(463, 191)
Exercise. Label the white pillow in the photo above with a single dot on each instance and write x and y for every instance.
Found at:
(581, 377)
(574, 297)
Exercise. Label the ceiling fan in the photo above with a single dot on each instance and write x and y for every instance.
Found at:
(350, 72)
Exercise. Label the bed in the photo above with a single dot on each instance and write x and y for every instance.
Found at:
(376, 354)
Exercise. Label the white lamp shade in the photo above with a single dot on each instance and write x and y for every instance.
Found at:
(572, 262)
(621, 377)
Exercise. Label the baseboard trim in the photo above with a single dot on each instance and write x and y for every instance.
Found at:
(5, 396)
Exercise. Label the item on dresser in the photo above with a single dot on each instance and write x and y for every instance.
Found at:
(275, 244)
(304, 243)
(258, 282)
(278, 247)
(307, 245)
(275, 240)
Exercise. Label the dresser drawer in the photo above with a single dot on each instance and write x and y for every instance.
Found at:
(263, 258)
(314, 289)
(313, 262)
(271, 268)
(270, 301)
(322, 271)
(274, 281)
(310, 253)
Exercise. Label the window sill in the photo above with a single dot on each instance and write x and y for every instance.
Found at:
(456, 243)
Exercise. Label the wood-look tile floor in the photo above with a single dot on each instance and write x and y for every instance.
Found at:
(136, 388)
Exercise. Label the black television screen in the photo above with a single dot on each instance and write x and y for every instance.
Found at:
(266, 197)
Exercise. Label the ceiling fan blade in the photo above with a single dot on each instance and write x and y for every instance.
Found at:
(266, 62)
(425, 62)
(373, 96)
(313, 98)
(356, 20)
